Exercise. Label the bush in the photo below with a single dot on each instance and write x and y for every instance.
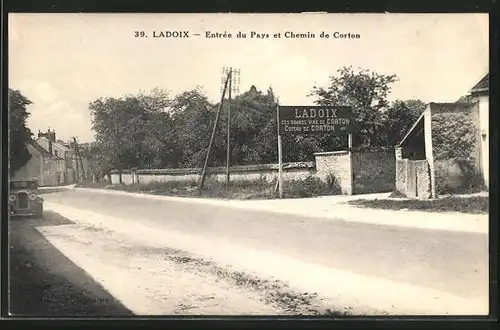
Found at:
(311, 187)
(397, 194)
(470, 180)
(242, 189)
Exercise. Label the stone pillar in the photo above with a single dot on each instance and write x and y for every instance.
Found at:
(133, 174)
(399, 153)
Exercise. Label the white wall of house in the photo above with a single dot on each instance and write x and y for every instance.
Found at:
(429, 153)
(484, 135)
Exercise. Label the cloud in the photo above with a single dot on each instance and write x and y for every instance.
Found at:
(436, 56)
(63, 118)
(50, 110)
(40, 91)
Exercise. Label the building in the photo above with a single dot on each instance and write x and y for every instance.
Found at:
(61, 152)
(42, 166)
(446, 150)
(53, 162)
(481, 94)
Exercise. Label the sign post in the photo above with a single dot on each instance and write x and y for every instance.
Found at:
(351, 174)
(280, 158)
(311, 120)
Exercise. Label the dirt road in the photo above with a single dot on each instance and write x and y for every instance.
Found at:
(43, 282)
(151, 281)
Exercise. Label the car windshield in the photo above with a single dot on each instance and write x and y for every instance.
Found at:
(22, 185)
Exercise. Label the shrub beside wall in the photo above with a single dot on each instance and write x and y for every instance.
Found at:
(312, 186)
(331, 173)
(266, 172)
(454, 143)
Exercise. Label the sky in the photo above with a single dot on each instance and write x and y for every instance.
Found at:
(62, 62)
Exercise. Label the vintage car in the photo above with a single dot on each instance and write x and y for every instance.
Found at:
(24, 199)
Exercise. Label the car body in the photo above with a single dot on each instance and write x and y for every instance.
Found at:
(24, 199)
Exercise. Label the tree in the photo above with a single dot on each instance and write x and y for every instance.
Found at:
(20, 135)
(114, 123)
(400, 117)
(157, 146)
(253, 129)
(366, 92)
(193, 117)
(99, 166)
(134, 131)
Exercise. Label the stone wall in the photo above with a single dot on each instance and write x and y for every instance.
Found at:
(338, 165)
(413, 178)
(449, 176)
(373, 171)
(268, 172)
(423, 179)
(401, 175)
(456, 147)
(429, 148)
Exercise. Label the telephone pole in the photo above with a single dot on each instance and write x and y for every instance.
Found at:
(79, 159)
(203, 173)
(234, 86)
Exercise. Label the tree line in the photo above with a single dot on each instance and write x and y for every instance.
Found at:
(157, 130)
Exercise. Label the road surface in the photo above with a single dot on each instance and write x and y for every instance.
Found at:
(452, 267)
(44, 283)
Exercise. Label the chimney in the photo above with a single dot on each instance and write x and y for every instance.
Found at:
(52, 135)
(50, 146)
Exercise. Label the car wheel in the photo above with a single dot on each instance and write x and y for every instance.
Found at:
(39, 212)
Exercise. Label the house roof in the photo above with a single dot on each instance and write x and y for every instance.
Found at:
(433, 107)
(57, 144)
(39, 148)
(411, 129)
(482, 85)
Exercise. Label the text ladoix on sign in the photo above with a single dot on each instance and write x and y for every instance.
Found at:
(314, 120)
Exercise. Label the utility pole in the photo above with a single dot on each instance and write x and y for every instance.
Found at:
(203, 173)
(234, 81)
(79, 158)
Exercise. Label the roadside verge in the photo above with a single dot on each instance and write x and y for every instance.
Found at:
(331, 208)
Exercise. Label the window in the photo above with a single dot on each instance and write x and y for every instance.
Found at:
(22, 185)
(55, 153)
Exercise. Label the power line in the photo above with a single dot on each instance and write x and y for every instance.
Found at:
(235, 79)
(233, 75)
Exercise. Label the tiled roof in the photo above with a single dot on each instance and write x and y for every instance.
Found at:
(56, 144)
(39, 148)
(483, 84)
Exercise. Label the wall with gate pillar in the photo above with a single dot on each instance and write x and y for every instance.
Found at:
(413, 178)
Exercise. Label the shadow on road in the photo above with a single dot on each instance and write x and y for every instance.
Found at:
(44, 283)
(49, 219)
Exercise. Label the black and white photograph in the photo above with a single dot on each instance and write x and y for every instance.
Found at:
(231, 164)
